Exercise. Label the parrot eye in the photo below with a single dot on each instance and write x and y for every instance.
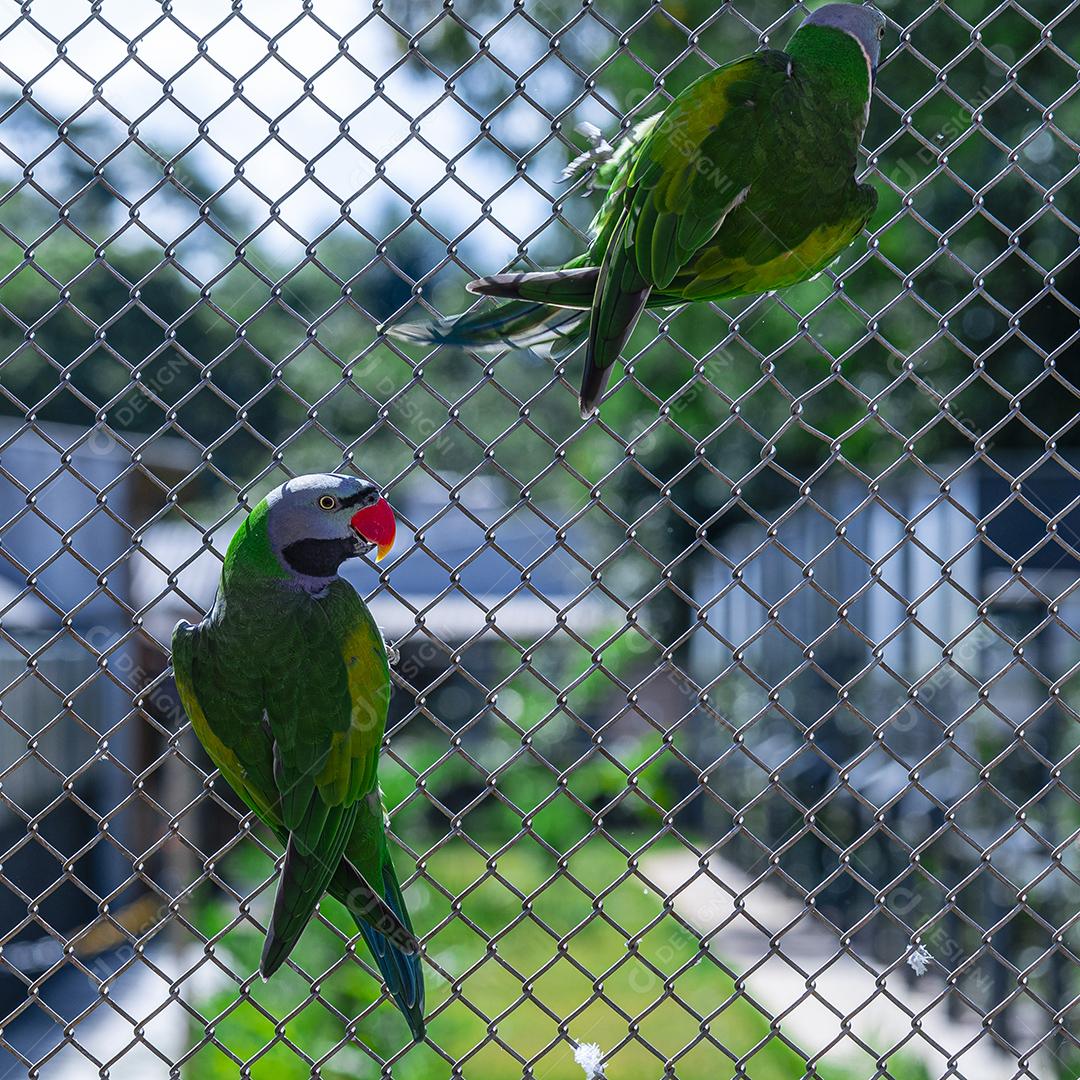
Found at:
(881, 33)
(328, 502)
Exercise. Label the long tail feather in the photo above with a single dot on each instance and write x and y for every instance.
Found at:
(621, 296)
(305, 874)
(571, 287)
(400, 970)
(522, 324)
(367, 907)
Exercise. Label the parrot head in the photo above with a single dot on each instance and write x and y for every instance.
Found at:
(864, 23)
(316, 522)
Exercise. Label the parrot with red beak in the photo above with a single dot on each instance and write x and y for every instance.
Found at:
(287, 683)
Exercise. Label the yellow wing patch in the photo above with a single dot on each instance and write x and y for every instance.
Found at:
(713, 276)
(350, 767)
(686, 123)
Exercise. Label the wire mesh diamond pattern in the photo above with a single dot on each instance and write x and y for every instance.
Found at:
(735, 730)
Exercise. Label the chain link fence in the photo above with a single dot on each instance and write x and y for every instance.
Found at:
(735, 731)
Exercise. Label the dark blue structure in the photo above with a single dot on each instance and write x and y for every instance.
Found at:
(66, 748)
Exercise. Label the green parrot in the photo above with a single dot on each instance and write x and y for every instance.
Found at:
(286, 683)
(743, 184)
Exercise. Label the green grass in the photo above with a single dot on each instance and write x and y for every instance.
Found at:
(522, 1026)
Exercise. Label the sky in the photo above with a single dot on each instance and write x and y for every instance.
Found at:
(201, 83)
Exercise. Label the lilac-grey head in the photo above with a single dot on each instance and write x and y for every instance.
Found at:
(308, 522)
(864, 23)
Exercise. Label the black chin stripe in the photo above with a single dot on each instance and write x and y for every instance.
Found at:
(319, 558)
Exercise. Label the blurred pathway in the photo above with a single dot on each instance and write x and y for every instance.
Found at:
(879, 1015)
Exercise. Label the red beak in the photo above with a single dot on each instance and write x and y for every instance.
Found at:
(376, 524)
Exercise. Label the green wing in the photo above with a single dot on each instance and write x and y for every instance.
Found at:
(691, 164)
(698, 162)
(291, 709)
(227, 717)
(674, 191)
(309, 713)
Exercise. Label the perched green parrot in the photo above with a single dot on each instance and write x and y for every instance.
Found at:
(286, 683)
(743, 184)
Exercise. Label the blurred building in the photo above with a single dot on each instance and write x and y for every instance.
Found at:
(71, 741)
(846, 660)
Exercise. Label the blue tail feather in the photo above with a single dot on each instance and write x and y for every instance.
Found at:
(524, 324)
(401, 971)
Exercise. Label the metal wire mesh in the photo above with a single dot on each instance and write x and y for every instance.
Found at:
(782, 645)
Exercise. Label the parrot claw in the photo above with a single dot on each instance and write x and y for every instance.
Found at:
(393, 655)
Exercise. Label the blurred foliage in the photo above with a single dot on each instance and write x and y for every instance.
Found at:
(238, 350)
(285, 1013)
(208, 329)
(242, 333)
(530, 756)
